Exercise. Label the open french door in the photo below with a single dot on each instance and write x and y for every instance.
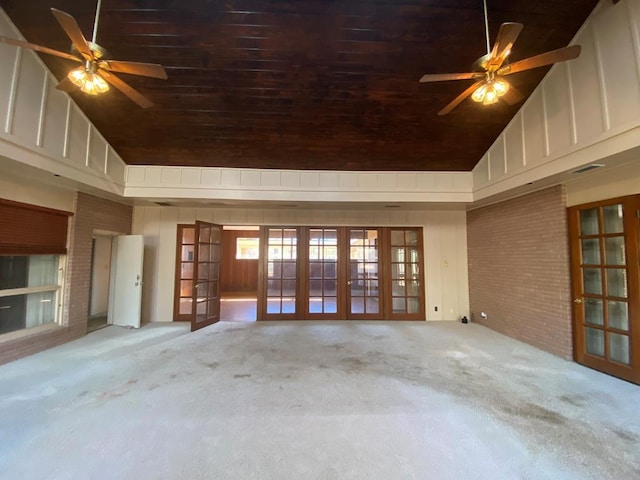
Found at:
(206, 275)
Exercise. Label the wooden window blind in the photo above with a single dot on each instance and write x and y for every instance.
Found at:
(32, 230)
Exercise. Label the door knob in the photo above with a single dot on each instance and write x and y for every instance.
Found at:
(577, 300)
(349, 282)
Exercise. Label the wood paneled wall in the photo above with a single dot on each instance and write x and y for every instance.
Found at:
(238, 276)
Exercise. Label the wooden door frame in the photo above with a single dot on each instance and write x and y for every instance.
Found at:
(261, 313)
(340, 275)
(209, 320)
(631, 235)
(389, 315)
(177, 277)
(381, 276)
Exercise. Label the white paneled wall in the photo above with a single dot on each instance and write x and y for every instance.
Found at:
(291, 185)
(41, 126)
(445, 248)
(583, 111)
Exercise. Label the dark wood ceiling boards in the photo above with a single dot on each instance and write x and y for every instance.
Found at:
(301, 84)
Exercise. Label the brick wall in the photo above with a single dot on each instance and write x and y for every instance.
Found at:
(90, 213)
(519, 269)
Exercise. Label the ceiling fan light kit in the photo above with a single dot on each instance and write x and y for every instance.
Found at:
(88, 81)
(491, 91)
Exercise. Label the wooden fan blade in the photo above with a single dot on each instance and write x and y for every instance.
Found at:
(38, 48)
(129, 91)
(442, 77)
(71, 28)
(513, 95)
(502, 48)
(554, 56)
(135, 68)
(456, 101)
(66, 85)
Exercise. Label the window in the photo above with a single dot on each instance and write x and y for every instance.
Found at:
(247, 248)
(29, 290)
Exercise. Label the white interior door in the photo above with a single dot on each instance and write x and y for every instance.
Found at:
(128, 251)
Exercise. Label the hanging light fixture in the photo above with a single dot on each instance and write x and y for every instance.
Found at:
(88, 81)
(490, 91)
(86, 77)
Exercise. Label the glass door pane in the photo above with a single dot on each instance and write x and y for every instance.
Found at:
(363, 274)
(405, 260)
(281, 273)
(206, 275)
(322, 298)
(185, 255)
(601, 294)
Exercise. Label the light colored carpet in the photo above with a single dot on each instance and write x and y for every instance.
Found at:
(312, 401)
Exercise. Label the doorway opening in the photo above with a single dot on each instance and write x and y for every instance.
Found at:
(99, 282)
(217, 275)
(239, 276)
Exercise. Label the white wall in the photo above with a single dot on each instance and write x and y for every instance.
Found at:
(584, 111)
(101, 269)
(602, 185)
(40, 126)
(445, 248)
(19, 190)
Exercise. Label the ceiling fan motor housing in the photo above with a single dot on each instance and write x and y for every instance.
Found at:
(97, 51)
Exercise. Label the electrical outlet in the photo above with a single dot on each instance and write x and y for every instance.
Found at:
(436, 309)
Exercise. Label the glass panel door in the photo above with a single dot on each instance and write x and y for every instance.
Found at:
(280, 274)
(605, 286)
(405, 267)
(183, 296)
(206, 275)
(323, 274)
(363, 278)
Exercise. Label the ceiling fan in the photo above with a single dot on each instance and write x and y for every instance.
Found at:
(96, 72)
(490, 69)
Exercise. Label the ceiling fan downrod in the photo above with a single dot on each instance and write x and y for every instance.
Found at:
(95, 22)
(486, 26)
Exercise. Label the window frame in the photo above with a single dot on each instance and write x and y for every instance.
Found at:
(58, 289)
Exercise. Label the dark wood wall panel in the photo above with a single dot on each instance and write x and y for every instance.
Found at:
(238, 276)
(28, 229)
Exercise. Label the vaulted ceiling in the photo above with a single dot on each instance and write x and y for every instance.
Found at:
(301, 84)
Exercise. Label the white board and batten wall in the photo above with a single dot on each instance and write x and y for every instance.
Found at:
(445, 248)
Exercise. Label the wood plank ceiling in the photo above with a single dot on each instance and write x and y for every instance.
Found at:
(301, 84)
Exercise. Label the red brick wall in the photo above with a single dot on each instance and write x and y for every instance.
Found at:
(89, 213)
(519, 269)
